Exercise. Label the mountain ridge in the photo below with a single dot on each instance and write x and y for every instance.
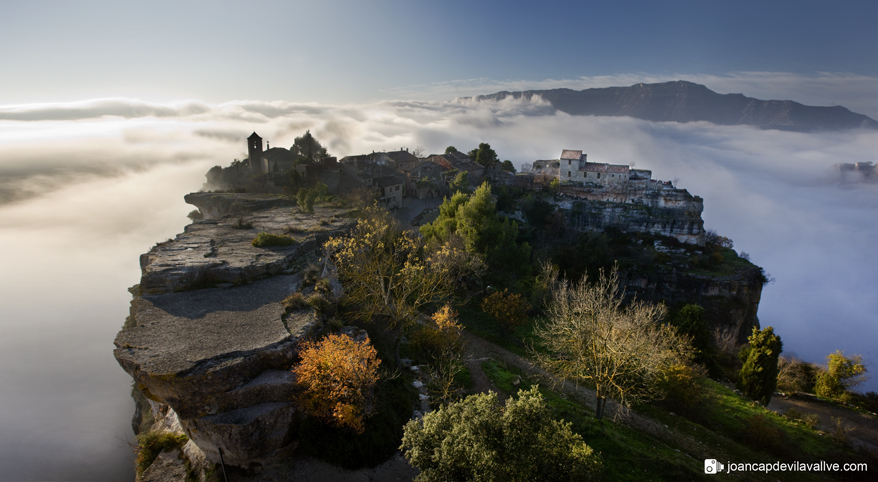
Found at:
(683, 101)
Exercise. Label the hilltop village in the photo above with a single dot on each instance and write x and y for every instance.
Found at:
(297, 327)
(393, 176)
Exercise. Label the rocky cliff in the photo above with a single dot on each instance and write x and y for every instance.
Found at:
(667, 211)
(209, 342)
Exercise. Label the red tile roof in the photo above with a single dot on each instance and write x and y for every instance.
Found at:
(570, 154)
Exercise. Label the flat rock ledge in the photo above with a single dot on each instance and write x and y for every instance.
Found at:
(216, 252)
(209, 340)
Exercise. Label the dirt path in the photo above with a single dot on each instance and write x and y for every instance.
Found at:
(864, 427)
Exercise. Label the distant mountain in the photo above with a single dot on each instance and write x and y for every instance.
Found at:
(683, 101)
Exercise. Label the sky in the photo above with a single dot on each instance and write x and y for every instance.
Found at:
(111, 111)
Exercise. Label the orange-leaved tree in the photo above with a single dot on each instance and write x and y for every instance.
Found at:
(338, 375)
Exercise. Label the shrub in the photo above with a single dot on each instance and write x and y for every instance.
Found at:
(809, 419)
(264, 240)
(682, 389)
(195, 215)
(795, 375)
(323, 286)
(338, 375)
(509, 309)
(394, 398)
(321, 305)
(758, 377)
(478, 439)
(295, 301)
(240, 224)
(842, 373)
(151, 444)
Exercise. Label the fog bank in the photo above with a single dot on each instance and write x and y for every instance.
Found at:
(86, 188)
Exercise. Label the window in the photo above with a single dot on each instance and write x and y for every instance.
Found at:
(568, 173)
(599, 175)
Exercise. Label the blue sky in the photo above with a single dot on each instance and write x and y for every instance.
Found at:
(353, 51)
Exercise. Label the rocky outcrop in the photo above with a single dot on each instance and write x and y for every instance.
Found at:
(216, 252)
(214, 205)
(730, 301)
(209, 342)
(663, 210)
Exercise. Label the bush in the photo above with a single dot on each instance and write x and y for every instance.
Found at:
(758, 377)
(509, 309)
(809, 419)
(682, 390)
(394, 398)
(264, 240)
(240, 224)
(151, 444)
(842, 373)
(795, 375)
(195, 215)
(295, 301)
(338, 375)
(478, 439)
(321, 305)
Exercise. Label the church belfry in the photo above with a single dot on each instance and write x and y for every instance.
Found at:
(254, 149)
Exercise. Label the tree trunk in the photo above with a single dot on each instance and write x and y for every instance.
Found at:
(599, 410)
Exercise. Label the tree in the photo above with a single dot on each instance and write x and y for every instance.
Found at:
(308, 148)
(478, 439)
(692, 322)
(508, 166)
(590, 338)
(758, 376)
(842, 373)
(460, 183)
(388, 272)
(474, 217)
(484, 155)
(507, 308)
(450, 149)
(338, 375)
(418, 152)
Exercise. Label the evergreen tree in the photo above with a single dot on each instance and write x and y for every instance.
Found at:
(484, 155)
(758, 376)
(308, 148)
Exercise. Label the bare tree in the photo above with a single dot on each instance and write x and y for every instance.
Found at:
(592, 339)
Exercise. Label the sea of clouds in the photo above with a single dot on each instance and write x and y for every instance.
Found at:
(86, 187)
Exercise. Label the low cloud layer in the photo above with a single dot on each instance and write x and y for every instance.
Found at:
(774, 193)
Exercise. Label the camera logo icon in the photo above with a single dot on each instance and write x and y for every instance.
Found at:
(711, 466)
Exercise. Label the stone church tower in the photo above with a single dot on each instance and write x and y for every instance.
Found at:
(254, 147)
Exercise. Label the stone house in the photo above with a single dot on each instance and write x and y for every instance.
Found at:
(575, 168)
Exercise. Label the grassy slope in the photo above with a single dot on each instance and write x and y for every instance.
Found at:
(723, 429)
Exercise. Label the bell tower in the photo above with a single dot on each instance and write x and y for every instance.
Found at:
(254, 148)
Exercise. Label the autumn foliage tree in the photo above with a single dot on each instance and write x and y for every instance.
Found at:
(390, 273)
(338, 375)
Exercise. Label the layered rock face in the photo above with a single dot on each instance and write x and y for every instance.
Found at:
(657, 210)
(730, 302)
(209, 341)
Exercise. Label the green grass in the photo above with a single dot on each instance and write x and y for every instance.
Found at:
(264, 240)
(151, 444)
(723, 431)
(485, 326)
